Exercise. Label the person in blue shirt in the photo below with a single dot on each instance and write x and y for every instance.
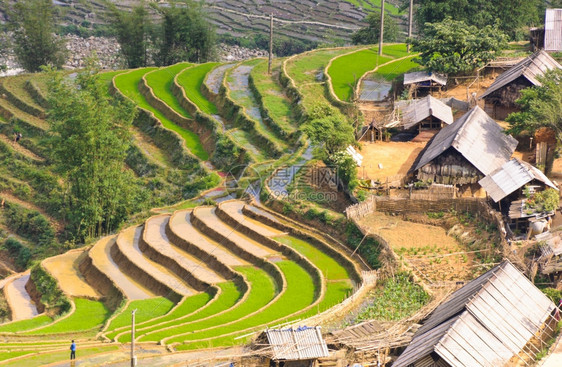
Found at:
(73, 350)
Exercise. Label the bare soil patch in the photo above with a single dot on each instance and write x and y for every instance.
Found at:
(395, 158)
(65, 269)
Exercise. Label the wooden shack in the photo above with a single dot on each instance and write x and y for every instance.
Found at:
(500, 97)
(498, 319)
(464, 152)
(427, 113)
(424, 82)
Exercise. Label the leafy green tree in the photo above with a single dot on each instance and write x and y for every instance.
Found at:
(513, 15)
(88, 139)
(35, 42)
(453, 47)
(185, 34)
(347, 168)
(132, 29)
(370, 34)
(540, 106)
(333, 133)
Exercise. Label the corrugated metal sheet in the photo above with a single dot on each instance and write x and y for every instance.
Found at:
(530, 67)
(420, 109)
(553, 30)
(297, 344)
(477, 137)
(424, 76)
(485, 323)
(510, 177)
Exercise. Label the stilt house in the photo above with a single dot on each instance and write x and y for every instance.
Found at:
(498, 319)
(500, 97)
(424, 81)
(465, 152)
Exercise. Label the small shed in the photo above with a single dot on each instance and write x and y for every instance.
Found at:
(553, 30)
(465, 151)
(500, 97)
(425, 80)
(512, 177)
(427, 113)
(498, 319)
(295, 347)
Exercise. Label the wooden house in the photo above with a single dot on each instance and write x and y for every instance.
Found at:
(553, 30)
(424, 82)
(498, 319)
(465, 152)
(427, 113)
(500, 97)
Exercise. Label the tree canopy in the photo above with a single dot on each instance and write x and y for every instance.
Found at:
(328, 129)
(513, 15)
(541, 106)
(132, 30)
(185, 34)
(370, 34)
(452, 46)
(35, 43)
(89, 138)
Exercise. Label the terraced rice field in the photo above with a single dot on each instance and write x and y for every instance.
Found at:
(127, 84)
(245, 275)
(191, 81)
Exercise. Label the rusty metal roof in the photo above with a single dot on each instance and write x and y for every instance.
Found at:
(297, 344)
(553, 30)
(485, 323)
(530, 68)
(424, 76)
(477, 137)
(513, 175)
(420, 109)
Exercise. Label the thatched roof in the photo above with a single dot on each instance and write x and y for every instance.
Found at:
(530, 68)
(513, 175)
(420, 109)
(485, 323)
(477, 137)
(553, 30)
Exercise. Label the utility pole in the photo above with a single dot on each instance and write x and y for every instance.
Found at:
(133, 358)
(382, 27)
(270, 43)
(410, 20)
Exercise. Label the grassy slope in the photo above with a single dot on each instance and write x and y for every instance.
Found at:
(161, 81)
(191, 81)
(88, 315)
(127, 84)
(56, 356)
(23, 325)
(16, 85)
(371, 5)
(273, 97)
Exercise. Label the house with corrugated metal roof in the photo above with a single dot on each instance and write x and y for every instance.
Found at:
(553, 30)
(498, 319)
(427, 113)
(291, 347)
(500, 97)
(465, 152)
(424, 82)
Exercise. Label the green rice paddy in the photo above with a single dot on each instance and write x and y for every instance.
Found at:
(128, 85)
(161, 81)
(37, 321)
(346, 70)
(88, 315)
(191, 80)
(146, 309)
(56, 356)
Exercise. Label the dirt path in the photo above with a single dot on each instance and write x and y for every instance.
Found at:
(18, 299)
(11, 198)
(102, 260)
(128, 243)
(555, 358)
(180, 223)
(65, 269)
(215, 77)
(208, 216)
(21, 149)
(156, 237)
(234, 210)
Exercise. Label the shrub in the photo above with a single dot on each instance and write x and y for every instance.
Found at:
(29, 224)
(554, 294)
(18, 252)
(369, 248)
(51, 295)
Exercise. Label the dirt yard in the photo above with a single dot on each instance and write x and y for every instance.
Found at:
(387, 159)
(434, 255)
